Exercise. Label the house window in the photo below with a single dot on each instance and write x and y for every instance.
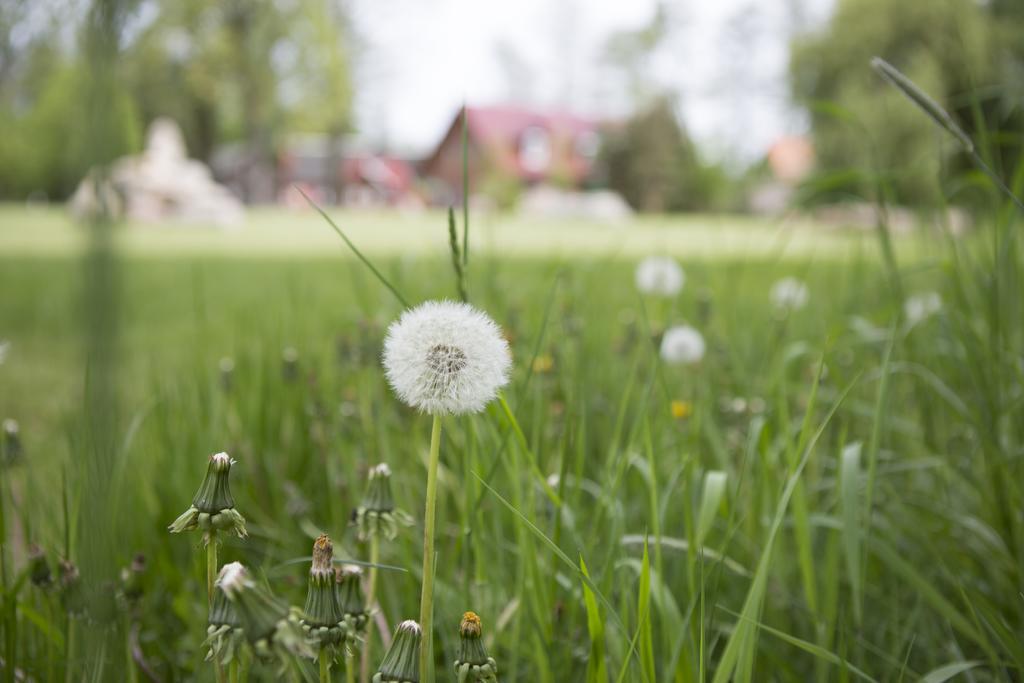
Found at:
(535, 149)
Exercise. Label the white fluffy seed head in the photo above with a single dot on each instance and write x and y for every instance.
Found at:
(682, 345)
(659, 275)
(789, 293)
(446, 358)
(381, 470)
(921, 306)
(232, 577)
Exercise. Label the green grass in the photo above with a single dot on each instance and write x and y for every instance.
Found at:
(843, 502)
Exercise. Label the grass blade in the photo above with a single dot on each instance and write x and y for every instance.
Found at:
(355, 250)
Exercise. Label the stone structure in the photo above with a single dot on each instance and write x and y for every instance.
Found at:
(162, 184)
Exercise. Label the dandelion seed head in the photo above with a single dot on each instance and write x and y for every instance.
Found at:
(682, 345)
(659, 275)
(921, 306)
(789, 293)
(446, 358)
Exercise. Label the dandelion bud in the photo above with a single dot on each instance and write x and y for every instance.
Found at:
(213, 508)
(70, 585)
(132, 578)
(348, 585)
(38, 568)
(377, 516)
(266, 621)
(290, 364)
(401, 663)
(446, 358)
(226, 366)
(12, 441)
(321, 614)
(473, 665)
(224, 635)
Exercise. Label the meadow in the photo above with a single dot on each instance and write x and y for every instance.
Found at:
(834, 492)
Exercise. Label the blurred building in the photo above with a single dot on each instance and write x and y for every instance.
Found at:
(328, 171)
(515, 145)
(789, 161)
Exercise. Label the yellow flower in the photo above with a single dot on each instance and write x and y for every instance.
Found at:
(681, 409)
(543, 364)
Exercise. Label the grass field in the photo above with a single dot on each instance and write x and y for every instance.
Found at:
(830, 494)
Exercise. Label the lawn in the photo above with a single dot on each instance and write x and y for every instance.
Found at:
(832, 493)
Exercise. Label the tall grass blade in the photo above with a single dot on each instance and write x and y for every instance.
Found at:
(737, 659)
(941, 118)
(597, 667)
(355, 250)
(849, 486)
(949, 671)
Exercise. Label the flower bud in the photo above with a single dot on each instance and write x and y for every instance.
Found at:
(322, 616)
(401, 663)
(39, 569)
(266, 621)
(473, 664)
(377, 515)
(224, 633)
(349, 590)
(290, 364)
(226, 367)
(70, 586)
(132, 578)
(213, 508)
(11, 450)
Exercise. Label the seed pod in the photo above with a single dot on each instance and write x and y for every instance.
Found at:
(213, 507)
(473, 664)
(321, 616)
(401, 663)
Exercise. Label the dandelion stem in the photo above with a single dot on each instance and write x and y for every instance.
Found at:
(350, 669)
(233, 671)
(211, 566)
(371, 594)
(325, 665)
(427, 593)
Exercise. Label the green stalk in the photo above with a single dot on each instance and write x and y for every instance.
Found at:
(211, 578)
(211, 566)
(10, 635)
(427, 593)
(233, 671)
(371, 594)
(350, 669)
(325, 665)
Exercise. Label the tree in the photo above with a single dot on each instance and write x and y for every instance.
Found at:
(949, 47)
(652, 163)
(245, 70)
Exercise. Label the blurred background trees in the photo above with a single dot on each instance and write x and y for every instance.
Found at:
(242, 77)
(243, 71)
(965, 54)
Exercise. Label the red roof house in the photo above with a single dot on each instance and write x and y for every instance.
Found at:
(518, 144)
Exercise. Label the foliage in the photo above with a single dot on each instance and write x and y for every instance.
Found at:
(953, 49)
(914, 535)
(226, 71)
(652, 163)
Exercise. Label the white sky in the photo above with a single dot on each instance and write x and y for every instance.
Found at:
(727, 60)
